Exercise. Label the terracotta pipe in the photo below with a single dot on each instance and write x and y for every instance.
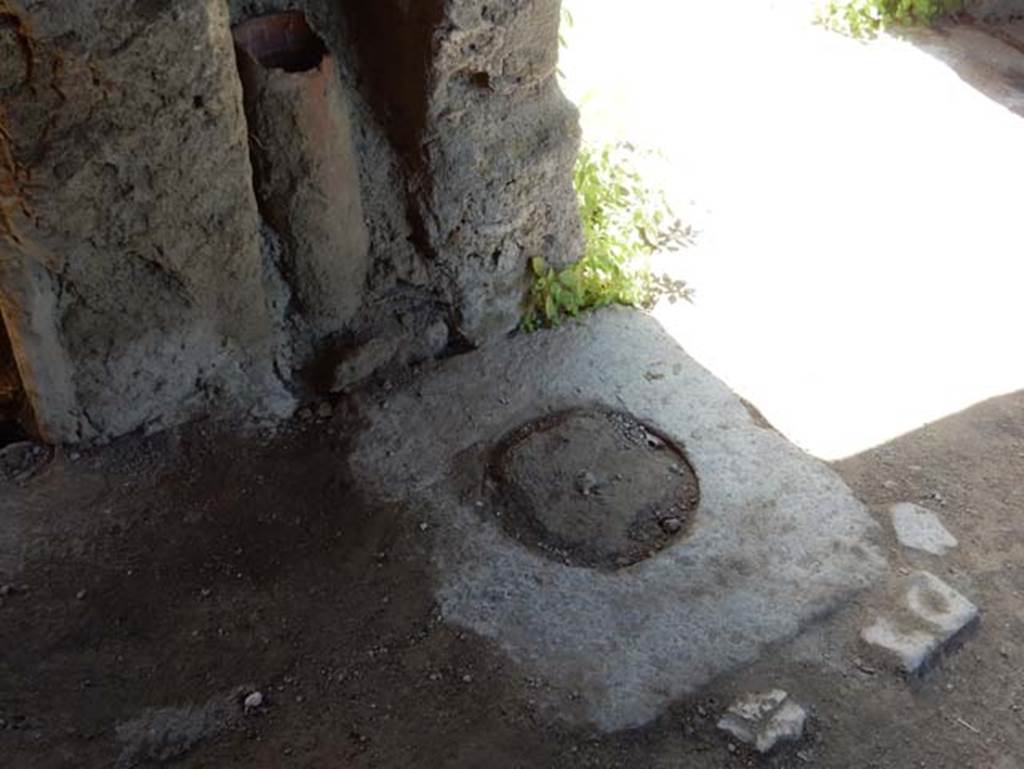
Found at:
(281, 41)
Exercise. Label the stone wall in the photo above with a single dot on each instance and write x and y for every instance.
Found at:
(402, 182)
(997, 10)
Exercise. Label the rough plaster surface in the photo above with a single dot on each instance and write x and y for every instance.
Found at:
(138, 282)
(777, 539)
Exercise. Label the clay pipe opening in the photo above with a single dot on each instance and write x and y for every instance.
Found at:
(281, 41)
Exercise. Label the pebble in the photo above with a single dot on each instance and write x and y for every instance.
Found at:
(325, 410)
(80, 595)
(304, 414)
(253, 701)
(20, 461)
(653, 441)
(671, 525)
(467, 679)
(586, 483)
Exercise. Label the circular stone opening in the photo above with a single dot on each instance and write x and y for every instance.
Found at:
(281, 41)
(592, 488)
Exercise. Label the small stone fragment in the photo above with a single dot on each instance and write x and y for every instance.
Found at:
(252, 702)
(435, 339)
(765, 719)
(80, 595)
(304, 414)
(920, 529)
(653, 441)
(586, 483)
(20, 461)
(671, 525)
(325, 410)
(363, 361)
(912, 648)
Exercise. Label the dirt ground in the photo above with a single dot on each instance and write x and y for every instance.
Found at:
(169, 571)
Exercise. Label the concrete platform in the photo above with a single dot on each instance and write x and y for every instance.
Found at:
(776, 541)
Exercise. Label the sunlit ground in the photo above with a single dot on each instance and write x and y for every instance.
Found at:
(859, 271)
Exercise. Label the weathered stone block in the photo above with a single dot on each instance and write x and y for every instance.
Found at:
(131, 277)
(776, 540)
(419, 160)
(924, 617)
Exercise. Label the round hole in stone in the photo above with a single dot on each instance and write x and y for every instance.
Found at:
(281, 41)
(593, 488)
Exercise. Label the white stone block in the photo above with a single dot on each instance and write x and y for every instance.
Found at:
(920, 529)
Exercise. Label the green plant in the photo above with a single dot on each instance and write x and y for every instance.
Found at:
(624, 220)
(567, 22)
(866, 18)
